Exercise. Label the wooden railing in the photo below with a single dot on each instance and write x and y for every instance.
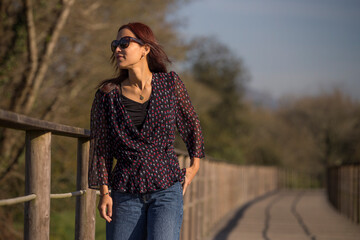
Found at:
(343, 189)
(217, 189)
(38, 176)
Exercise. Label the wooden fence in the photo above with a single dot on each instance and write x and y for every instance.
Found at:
(343, 189)
(38, 177)
(216, 190)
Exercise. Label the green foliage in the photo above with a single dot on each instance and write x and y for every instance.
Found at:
(306, 134)
(265, 155)
(100, 225)
(217, 67)
(331, 122)
(213, 65)
(62, 224)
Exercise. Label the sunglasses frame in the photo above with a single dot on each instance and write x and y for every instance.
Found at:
(117, 43)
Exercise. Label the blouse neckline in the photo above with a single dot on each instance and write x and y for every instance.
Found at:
(149, 109)
(129, 99)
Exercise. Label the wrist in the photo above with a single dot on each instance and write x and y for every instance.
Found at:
(195, 163)
(195, 167)
(104, 190)
(104, 194)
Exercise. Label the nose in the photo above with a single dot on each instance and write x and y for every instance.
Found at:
(117, 49)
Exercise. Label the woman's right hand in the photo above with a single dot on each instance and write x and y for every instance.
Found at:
(105, 207)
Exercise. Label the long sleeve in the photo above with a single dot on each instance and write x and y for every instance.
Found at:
(187, 121)
(100, 157)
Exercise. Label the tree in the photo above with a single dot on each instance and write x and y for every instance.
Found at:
(261, 142)
(332, 123)
(213, 65)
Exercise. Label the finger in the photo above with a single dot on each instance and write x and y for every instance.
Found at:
(105, 216)
(108, 219)
(109, 210)
(102, 211)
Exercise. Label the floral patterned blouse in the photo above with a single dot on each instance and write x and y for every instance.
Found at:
(145, 159)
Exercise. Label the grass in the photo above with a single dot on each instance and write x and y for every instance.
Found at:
(62, 220)
(62, 225)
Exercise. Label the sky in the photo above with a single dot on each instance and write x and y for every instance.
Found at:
(290, 47)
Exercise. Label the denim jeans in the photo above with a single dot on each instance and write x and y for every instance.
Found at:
(150, 216)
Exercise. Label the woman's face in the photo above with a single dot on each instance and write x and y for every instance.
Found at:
(128, 58)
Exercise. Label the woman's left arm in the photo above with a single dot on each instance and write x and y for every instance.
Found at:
(188, 125)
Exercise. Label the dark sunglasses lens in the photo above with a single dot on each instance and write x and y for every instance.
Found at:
(114, 45)
(122, 43)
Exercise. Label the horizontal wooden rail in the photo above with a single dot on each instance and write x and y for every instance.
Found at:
(11, 201)
(67, 195)
(22, 122)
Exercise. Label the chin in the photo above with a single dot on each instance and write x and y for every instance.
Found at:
(122, 65)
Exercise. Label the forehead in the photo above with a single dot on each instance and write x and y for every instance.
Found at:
(125, 32)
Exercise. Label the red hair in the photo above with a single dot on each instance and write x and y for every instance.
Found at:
(156, 58)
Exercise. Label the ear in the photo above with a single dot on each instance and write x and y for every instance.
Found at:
(147, 49)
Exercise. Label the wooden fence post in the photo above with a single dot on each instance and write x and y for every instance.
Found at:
(37, 181)
(85, 204)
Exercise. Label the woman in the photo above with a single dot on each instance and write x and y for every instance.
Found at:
(133, 120)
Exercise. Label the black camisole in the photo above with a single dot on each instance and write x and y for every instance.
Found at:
(137, 111)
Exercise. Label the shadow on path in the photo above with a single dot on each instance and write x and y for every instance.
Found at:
(268, 217)
(225, 231)
(299, 218)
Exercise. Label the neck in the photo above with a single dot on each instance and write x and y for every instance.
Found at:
(139, 76)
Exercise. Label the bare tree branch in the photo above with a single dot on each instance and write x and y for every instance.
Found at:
(28, 104)
(33, 54)
(90, 9)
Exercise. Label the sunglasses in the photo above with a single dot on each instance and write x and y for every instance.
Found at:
(124, 42)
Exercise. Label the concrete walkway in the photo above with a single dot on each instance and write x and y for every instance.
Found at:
(287, 215)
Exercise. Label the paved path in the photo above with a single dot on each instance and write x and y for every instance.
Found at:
(287, 215)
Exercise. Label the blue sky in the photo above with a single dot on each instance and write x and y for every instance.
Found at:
(290, 47)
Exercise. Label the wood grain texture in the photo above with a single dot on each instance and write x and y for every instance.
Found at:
(37, 181)
(22, 122)
(85, 205)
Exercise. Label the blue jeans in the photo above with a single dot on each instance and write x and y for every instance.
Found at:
(150, 216)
